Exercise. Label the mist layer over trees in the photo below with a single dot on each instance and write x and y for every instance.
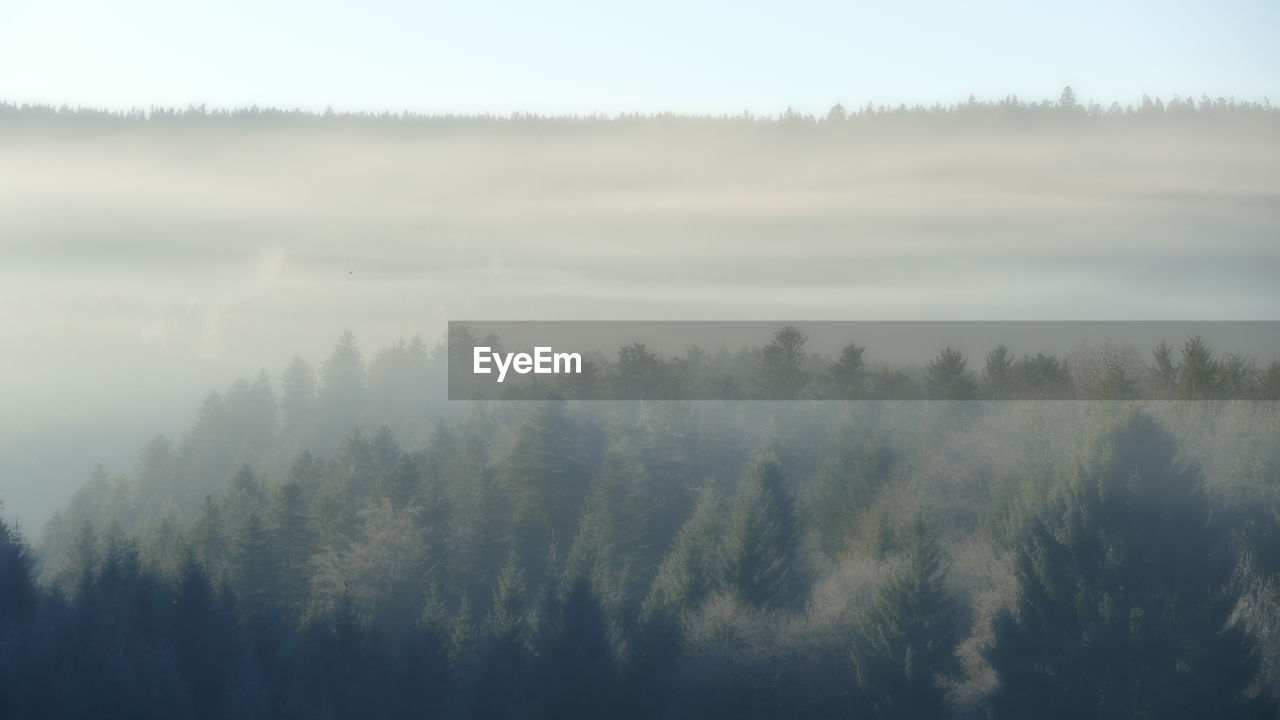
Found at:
(333, 541)
(149, 256)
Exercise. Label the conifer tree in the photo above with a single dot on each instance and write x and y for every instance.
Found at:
(847, 484)
(1125, 602)
(689, 570)
(759, 553)
(288, 522)
(1198, 373)
(906, 644)
(341, 394)
(462, 635)
(780, 371)
(202, 638)
(80, 562)
(246, 494)
(209, 537)
(947, 377)
(1165, 372)
(611, 545)
(848, 375)
(1269, 385)
(18, 594)
(1116, 385)
(997, 381)
(543, 480)
(297, 402)
(252, 566)
(508, 623)
(575, 662)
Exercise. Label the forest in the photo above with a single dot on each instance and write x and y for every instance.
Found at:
(1007, 109)
(340, 541)
(784, 368)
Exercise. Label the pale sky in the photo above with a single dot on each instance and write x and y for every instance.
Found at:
(570, 56)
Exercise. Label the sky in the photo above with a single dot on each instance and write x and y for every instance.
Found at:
(562, 56)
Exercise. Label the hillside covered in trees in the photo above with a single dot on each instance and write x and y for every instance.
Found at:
(339, 541)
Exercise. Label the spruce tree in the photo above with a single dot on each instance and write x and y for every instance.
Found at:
(758, 558)
(688, 571)
(543, 479)
(253, 567)
(297, 403)
(508, 623)
(1198, 373)
(288, 523)
(1125, 598)
(848, 374)
(906, 644)
(18, 594)
(997, 381)
(1116, 385)
(947, 377)
(78, 565)
(780, 370)
(1269, 385)
(209, 537)
(1164, 372)
(848, 483)
(341, 395)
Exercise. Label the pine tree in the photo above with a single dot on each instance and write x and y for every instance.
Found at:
(80, 562)
(761, 541)
(543, 479)
(1042, 377)
(1125, 598)
(848, 374)
(780, 371)
(688, 572)
(202, 637)
(641, 374)
(611, 545)
(155, 475)
(297, 402)
(246, 494)
(253, 566)
(341, 396)
(1116, 385)
(508, 624)
(462, 635)
(575, 661)
(479, 541)
(1269, 386)
(209, 537)
(401, 481)
(164, 547)
(908, 639)
(948, 378)
(288, 523)
(18, 594)
(848, 483)
(502, 662)
(1198, 373)
(1165, 372)
(997, 378)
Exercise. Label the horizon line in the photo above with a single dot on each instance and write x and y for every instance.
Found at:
(1011, 102)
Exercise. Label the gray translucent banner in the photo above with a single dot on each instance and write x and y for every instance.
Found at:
(863, 360)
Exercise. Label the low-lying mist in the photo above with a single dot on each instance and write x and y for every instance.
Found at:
(144, 262)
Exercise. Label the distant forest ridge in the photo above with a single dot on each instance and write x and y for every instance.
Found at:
(786, 369)
(1066, 106)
